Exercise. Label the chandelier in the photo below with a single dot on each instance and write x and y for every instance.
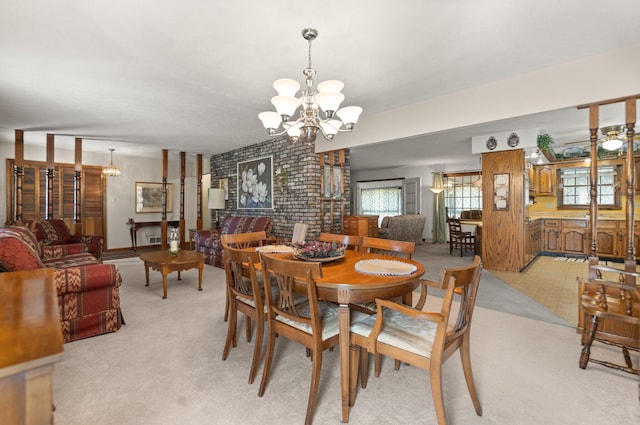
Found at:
(319, 107)
(111, 170)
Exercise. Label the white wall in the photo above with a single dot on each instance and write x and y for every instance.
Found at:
(120, 204)
(586, 80)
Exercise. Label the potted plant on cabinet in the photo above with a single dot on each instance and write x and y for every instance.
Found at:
(545, 140)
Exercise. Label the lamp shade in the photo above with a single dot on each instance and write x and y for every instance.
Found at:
(216, 199)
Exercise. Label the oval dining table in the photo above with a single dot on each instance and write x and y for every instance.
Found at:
(343, 284)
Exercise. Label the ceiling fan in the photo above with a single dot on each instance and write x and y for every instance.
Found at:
(614, 139)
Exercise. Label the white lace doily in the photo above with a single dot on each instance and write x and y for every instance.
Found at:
(275, 249)
(385, 267)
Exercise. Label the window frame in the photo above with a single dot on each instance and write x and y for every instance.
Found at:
(617, 186)
(476, 192)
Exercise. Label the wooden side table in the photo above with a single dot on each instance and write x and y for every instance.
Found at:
(166, 263)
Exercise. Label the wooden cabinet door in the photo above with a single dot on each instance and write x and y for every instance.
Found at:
(552, 239)
(607, 242)
(545, 180)
(574, 241)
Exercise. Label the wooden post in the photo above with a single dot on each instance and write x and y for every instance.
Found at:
(49, 175)
(630, 120)
(332, 161)
(182, 176)
(199, 194)
(341, 162)
(19, 173)
(322, 184)
(163, 223)
(77, 184)
(593, 177)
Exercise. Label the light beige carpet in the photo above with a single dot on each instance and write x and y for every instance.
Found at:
(165, 367)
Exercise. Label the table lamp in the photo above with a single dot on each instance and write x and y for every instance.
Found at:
(216, 202)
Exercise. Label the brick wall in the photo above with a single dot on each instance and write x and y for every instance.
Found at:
(297, 201)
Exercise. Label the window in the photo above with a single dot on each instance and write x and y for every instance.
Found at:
(574, 188)
(383, 201)
(461, 194)
(381, 197)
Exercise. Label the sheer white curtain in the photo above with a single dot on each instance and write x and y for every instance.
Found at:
(381, 201)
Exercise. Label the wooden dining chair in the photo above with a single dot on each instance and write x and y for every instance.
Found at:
(393, 248)
(612, 313)
(352, 242)
(240, 241)
(424, 339)
(243, 240)
(389, 247)
(245, 296)
(458, 239)
(312, 323)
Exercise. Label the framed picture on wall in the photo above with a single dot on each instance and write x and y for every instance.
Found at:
(148, 197)
(224, 184)
(330, 179)
(255, 183)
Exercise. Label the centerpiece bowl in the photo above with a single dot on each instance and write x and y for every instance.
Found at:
(321, 252)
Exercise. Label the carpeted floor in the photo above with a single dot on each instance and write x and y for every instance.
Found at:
(551, 299)
(165, 367)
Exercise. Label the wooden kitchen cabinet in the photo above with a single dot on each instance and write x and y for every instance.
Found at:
(533, 231)
(552, 236)
(574, 236)
(607, 237)
(544, 180)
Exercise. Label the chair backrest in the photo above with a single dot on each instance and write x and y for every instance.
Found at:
(351, 241)
(462, 283)
(243, 240)
(235, 261)
(299, 232)
(454, 225)
(388, 247)
(286, 274)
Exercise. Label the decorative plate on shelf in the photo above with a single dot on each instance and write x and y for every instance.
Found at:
(573, 152)
(492, 143)
(513, 140)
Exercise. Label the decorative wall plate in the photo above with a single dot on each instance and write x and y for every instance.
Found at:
(492, 143)
(513, 140)
(573, 152)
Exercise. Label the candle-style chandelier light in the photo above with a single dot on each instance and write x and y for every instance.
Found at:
(319, 107)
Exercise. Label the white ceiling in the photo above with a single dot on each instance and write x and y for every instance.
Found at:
(192, 75)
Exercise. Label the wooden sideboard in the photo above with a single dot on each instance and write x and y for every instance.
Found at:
(31, 341)
(360, 225)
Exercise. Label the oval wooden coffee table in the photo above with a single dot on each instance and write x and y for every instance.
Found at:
(166, 263)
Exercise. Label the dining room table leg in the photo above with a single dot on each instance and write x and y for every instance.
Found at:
(344, 322)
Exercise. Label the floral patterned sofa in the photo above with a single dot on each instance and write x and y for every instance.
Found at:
(88, 291)
(207, 241)
(403, 228)
(54, 232)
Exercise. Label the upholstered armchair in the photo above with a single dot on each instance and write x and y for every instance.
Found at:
(207, 241)
(88, 291)
(406, 227)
